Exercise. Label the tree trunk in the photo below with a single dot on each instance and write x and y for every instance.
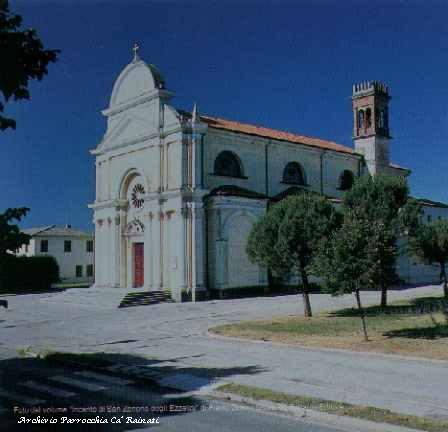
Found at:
(361, 312)
(444, 280)
(445, 290)
(383, 296)
(305, 293)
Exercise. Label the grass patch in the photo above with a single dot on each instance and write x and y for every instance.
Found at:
(414, 327)
(338, 408)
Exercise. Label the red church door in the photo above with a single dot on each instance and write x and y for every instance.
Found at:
(139, 266)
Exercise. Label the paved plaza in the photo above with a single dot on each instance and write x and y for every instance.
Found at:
(174, 338)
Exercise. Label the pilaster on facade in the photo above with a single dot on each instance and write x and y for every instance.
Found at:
(160, 167)
(182, 230)
(116, 249)
(148, 251)
(193, 160)
(122, 249)
(195, 247)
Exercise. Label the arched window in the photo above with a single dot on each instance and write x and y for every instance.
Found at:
(227, 164)
(360, 119)
(368, 117)
(294, 174)
(346, 180)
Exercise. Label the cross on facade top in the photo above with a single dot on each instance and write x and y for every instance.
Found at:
(135, 48)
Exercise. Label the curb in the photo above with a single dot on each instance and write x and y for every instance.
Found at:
(356, 424)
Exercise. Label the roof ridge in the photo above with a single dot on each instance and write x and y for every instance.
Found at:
(268, 127)
(282, 135)
(44, 229)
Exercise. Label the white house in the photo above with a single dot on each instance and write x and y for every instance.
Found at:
(72, 249)
(177, 192)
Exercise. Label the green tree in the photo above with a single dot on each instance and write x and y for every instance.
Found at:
(384, 201)
(286, 238)
(355, 257)
(429, 244)
(23, 58)
(10, 236)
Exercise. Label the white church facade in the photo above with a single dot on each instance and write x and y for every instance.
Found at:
(177, 192)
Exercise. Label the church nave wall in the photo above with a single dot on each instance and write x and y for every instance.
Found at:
(250, 153)
(229, 220)
(263, 162)
(333, 165)
(280, 154)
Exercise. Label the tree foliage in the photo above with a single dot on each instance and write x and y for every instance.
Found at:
(23, 58)
(354, 257)
(429, 244)
(10, 236)
(286, 238)
(384, 201)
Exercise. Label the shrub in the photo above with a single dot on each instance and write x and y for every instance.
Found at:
(35, 273)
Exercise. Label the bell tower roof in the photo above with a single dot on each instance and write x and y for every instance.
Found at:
(370, 88)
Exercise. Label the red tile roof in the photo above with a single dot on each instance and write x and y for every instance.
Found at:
(234, 126)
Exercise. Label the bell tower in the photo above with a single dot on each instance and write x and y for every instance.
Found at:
(371, 124)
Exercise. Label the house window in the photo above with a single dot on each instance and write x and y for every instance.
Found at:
(26, 248)
(294, 174)
(44, 245)
(79, 271)
(227, 164)
(346, 180)
(89, 246)
(89, 270)
(67, 245)
(429, 218)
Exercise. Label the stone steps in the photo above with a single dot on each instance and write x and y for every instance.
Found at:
(145, 298)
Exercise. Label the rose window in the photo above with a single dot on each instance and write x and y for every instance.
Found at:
(138, 191)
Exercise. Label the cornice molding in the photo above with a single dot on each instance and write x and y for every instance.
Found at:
(98, 205)
(125, 143)
(154, 94)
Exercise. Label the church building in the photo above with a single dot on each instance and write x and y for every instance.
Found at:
(177, 192)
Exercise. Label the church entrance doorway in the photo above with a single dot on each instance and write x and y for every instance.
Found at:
(139, 265)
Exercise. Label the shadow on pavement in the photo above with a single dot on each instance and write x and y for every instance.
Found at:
(165, 367)
(439, 331)
(140, 402)
(6, 292)
(417, 306)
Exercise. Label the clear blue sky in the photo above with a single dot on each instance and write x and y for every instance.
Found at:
(283, 64)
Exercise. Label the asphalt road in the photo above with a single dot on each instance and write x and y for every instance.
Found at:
(59, 398)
